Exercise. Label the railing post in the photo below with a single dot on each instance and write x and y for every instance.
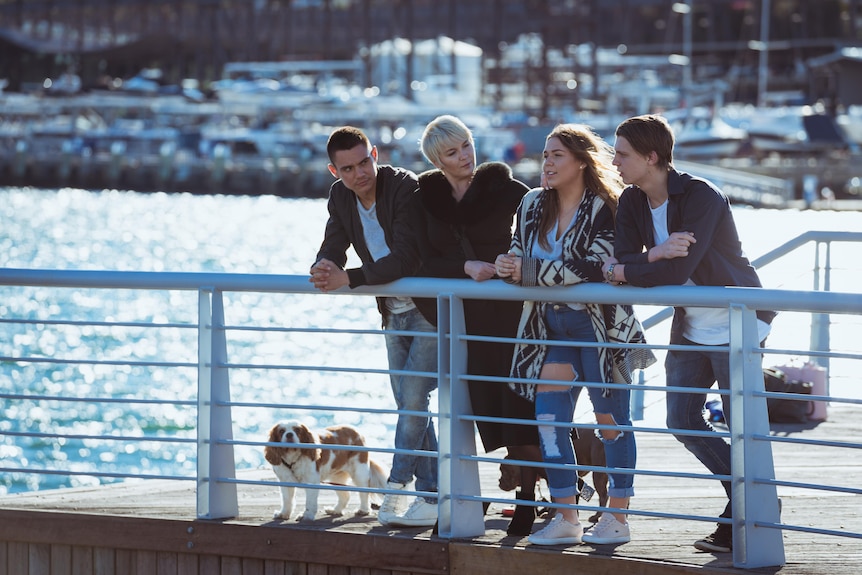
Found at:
(215, 499)
(457, 518)
(755, 503)
(820, 321)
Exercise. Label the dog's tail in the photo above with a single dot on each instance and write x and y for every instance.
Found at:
(379, 479)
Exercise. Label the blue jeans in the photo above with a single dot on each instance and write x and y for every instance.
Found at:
(566, 324)
(699, 369)
(413, 393)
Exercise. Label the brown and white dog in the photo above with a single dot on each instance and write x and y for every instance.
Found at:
(316, 465)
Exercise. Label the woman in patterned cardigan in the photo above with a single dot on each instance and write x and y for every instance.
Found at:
(564, 232)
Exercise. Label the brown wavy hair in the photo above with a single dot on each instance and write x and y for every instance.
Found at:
(600, 175)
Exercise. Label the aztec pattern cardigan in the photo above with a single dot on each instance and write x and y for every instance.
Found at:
(586, 245)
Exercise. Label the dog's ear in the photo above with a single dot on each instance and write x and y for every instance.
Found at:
(273, 454)
(306, 436)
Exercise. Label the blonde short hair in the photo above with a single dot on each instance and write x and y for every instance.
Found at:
(440, 133)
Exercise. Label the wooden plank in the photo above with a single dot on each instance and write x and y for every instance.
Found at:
(39, 558)
(187, 564)
(104, 561)
(82, 560)
(61, 559)
(231, 566)
(252, 566)
(209, 564)
(19, 558)
(3, 558)
(125, 561)
(294, 568)
(271, 567)
(466, 559)
(166, 563)
(346, 549)
(145, 562)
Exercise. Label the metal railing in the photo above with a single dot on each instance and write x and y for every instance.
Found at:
(756, 523)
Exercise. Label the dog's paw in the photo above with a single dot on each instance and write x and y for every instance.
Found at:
(362, 512)
(334, 512)
(281, 514)
(307, 517)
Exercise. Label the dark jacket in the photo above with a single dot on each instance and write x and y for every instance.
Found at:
(483, 218)
(395, 190)
(694, 205)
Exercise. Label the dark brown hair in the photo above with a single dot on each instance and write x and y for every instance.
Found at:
(649, 133)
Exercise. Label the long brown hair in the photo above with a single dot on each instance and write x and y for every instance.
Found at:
(600, 176)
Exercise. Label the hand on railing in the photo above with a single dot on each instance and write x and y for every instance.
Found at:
(326, 276)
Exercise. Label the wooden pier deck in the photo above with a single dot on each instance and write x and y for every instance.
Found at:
(150, 527)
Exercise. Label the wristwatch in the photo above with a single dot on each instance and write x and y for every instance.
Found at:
(611, 273)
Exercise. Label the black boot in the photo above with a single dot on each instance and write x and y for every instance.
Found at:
(522, 520)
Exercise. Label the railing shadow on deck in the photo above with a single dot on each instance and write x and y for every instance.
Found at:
(212, 418)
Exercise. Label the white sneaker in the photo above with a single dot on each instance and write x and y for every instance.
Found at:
(393, 504)
(419, 514)
(608, 531)
(558, 532)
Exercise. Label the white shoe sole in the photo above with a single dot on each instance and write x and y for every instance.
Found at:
(558, 541)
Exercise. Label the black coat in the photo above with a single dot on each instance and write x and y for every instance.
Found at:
(484, 218)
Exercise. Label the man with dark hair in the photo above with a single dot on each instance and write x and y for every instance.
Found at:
(369, 208)
(675, 229)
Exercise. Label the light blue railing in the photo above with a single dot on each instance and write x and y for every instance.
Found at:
(757, 527)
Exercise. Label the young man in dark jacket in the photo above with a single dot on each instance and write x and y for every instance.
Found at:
(675, 229)
(369, 209)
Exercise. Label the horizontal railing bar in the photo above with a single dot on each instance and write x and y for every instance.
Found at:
(814, 530)
(380, 411)
(326, 486)
(33, 397)
(85, 323)
(811, 486)
(323, 368)
(803, 441)
(329, 331)
(333, 446)
(592, 292)
(66, 361)
(94, 474)
(172, 439)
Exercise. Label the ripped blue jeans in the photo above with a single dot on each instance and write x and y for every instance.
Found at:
(566, 324)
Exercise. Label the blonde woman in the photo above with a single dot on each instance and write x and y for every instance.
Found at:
(464, 216)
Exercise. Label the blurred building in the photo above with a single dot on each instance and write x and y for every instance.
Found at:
(103, 39)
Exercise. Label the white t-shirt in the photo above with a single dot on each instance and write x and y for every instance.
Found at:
(375, 240)
(703, 325)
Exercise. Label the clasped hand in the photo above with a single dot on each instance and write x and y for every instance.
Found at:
(509, 266)
(326, 276)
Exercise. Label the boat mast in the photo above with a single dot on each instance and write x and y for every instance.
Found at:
(763, 61)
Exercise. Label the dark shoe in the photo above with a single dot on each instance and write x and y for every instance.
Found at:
(720, 541)
(522, 520)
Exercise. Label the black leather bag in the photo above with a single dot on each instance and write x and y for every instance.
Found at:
(783, 410)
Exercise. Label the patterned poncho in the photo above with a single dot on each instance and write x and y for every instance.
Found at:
(586, 245)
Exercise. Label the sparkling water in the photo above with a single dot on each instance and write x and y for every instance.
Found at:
(128, 231)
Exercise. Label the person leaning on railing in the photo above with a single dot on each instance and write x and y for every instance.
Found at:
(369, 208)
(564, 232)
(464, 215)
(675, 229)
